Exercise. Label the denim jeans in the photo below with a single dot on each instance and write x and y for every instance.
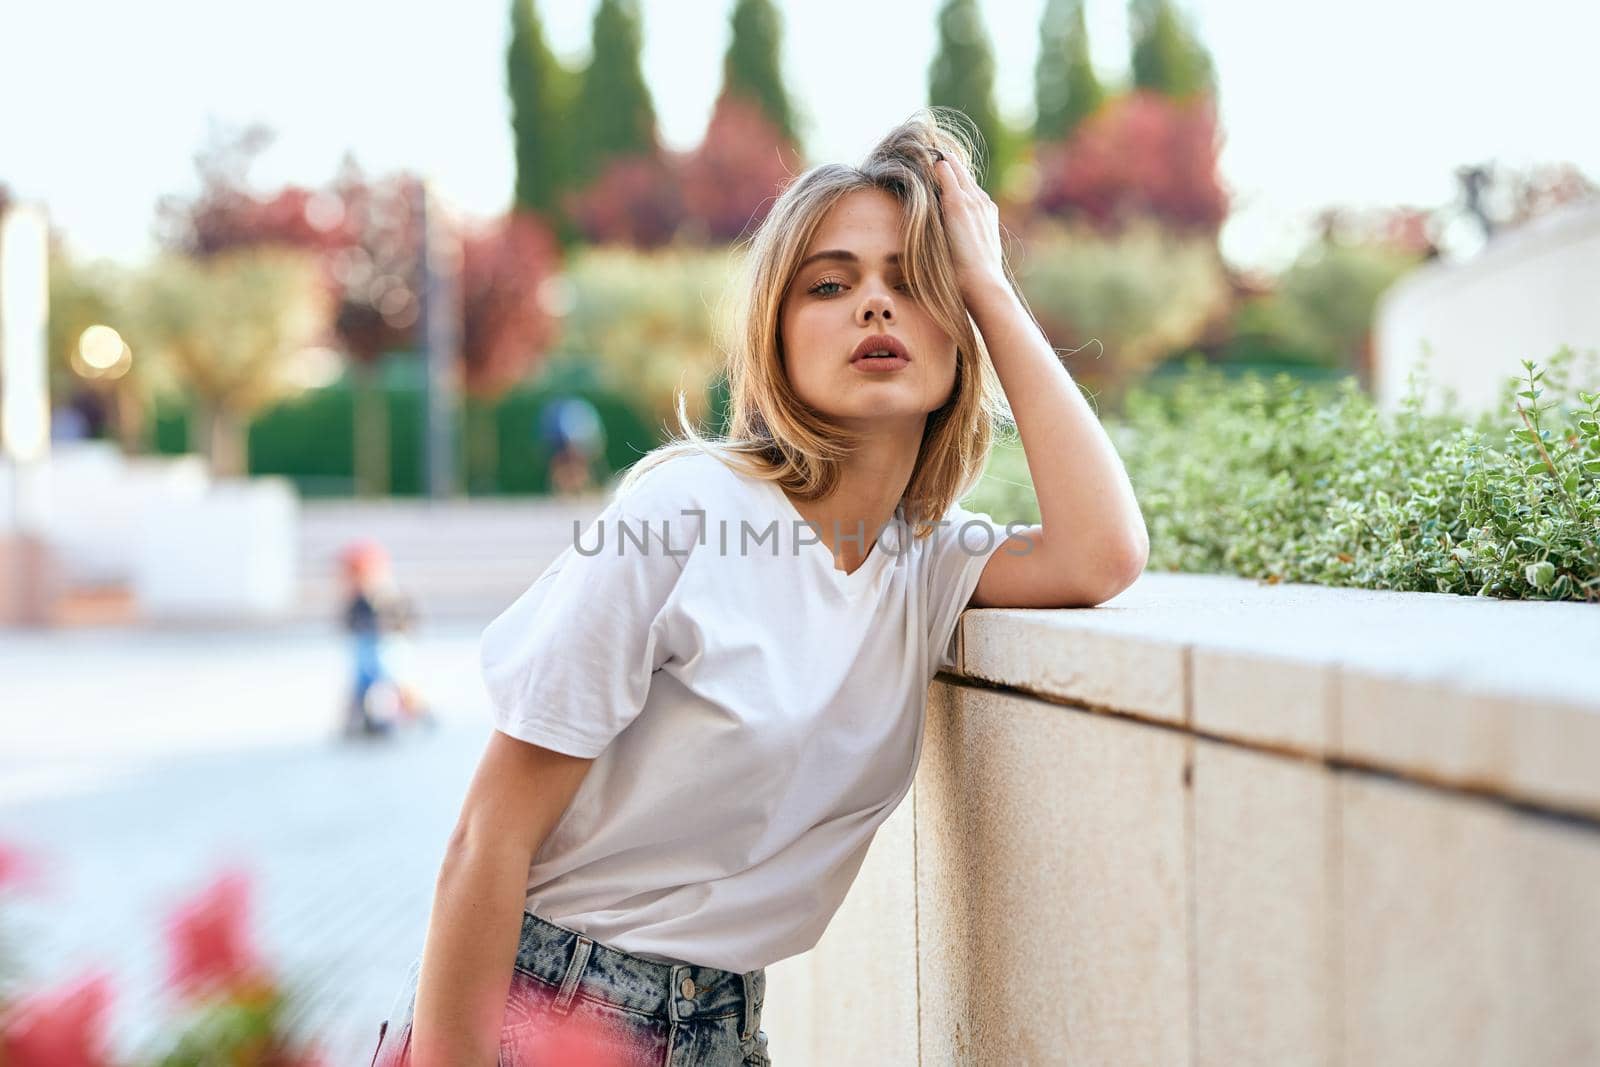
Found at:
(575, 1000)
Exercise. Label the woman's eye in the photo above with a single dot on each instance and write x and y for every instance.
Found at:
(904, 287)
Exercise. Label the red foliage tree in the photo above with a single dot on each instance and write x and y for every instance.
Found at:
(505, 327)
(365, 231)
(636, 201)
(377, 267)
(1140, 154)
(730, 181)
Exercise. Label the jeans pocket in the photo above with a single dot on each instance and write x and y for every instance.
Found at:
(394, 1046)
(758, 1054)
(383, 1028)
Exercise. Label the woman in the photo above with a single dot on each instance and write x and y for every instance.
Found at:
(705, 708)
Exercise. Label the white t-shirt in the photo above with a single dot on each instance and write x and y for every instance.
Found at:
(756, 713)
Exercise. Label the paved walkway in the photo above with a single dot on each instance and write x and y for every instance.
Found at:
(137, 764)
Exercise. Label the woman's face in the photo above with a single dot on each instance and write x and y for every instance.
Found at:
(834, 303)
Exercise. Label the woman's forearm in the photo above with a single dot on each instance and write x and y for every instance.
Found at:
(468, 955)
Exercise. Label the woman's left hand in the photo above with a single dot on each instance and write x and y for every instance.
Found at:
(972, 224)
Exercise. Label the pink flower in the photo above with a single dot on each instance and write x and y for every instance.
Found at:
(65, 1027)
(18, 868)
(211, 949)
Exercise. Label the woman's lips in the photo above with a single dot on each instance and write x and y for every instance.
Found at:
(880, 342)
(880, 364)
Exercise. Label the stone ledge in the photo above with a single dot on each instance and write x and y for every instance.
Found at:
(1501, 697)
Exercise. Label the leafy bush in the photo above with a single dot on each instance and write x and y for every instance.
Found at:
(1325, 301)
(1284, 481)
(1125, 300)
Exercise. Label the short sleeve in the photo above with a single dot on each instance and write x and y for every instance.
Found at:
(568, 665)
(957, 552)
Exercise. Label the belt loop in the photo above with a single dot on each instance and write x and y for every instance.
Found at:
(748, 978)
(569, 984)
(675, 979)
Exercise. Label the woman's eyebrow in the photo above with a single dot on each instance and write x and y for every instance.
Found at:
(844, 255)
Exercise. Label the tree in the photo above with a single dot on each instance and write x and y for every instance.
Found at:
(1499, 197)
(96, 294)
(1168, 57)
(232, 327)
(752, 67)
(1324, 304)
(636, 201)
(227, 214)
(1140, 155)
(649, 325)
(961, 76)
(541, 92)
(1116, 305)
(730, 181)
(506, 328)
(377, 278)
(365, 236)
(615, 117)
(1066, 90)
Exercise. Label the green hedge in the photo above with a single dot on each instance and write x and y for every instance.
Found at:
(310, 439)
(1283, 480)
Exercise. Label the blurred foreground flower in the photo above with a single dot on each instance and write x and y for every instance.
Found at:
(18, 869)
(210, 942)
(241, 1011)
(576, 1041)
(64, 1027)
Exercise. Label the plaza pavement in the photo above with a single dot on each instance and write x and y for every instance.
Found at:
(135, 764)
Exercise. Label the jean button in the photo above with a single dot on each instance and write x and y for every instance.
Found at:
(687, 986)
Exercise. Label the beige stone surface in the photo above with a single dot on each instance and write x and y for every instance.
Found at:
(1051, 878)
(1465, 691)
(1425, 927)
(1425, 725)
(1555, 943)
(1058, 654)
(1266, 698)
(1262, 909)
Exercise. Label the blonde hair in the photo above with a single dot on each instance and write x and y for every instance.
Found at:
(772, 433)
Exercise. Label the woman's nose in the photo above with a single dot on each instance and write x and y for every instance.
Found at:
(880, 306)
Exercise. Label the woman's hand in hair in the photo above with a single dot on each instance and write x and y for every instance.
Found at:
(972, 224)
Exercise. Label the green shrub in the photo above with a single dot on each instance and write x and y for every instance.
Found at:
(1282, 480)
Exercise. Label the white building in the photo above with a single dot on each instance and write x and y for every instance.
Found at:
(1530, 291)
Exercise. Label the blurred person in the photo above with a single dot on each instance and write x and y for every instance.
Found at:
(571, 428)
(379, 618)
(694, 743)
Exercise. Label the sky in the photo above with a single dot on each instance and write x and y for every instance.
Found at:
(1355, 102)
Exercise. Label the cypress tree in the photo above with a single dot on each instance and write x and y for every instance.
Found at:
(1066, 90)
(962, 76)
(752, 67)
(541, 96)
(1168, 57)
(614, 115)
